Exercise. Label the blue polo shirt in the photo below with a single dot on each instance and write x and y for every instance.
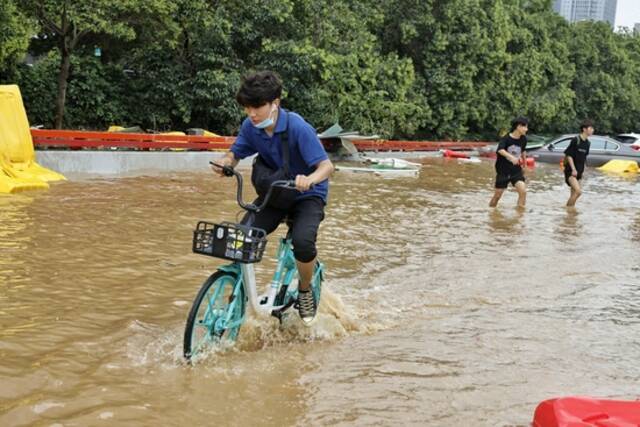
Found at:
(305, 149)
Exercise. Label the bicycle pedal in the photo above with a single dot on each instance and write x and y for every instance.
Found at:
(284, 318)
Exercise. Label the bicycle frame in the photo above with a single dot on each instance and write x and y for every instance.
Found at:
(284, 275)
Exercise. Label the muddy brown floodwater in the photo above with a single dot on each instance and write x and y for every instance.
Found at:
(437, 310)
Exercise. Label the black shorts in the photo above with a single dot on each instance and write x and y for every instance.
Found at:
(567, 175)
(305, 216)
(502, 181)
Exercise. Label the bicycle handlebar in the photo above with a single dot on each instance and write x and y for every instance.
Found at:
(230, 171)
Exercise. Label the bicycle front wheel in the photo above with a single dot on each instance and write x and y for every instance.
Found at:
(216, 314)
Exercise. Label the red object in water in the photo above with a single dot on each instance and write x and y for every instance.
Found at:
(531, 162)
(587, 412)
(454, 154)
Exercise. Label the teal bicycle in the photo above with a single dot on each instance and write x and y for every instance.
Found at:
(220, 307)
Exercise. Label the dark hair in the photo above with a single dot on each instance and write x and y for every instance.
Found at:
(586, 124)
(519, 121)
(259, 88)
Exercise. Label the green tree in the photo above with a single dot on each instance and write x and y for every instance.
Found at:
(535, 80)
(70, 23)
(334, 69)
(606, 82)
(38, 87)
(454, 47)
(329, 60)
(479, 62)
(630, 44)
(401, 68)
(189, 78)
(14, 37)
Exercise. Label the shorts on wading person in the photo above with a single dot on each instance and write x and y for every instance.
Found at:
(568, 174)
(502, 181)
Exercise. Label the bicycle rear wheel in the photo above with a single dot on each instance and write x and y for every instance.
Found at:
(216, 314)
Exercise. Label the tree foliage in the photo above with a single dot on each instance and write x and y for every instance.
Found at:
(401, 68)
(70, 23)
(14, 37)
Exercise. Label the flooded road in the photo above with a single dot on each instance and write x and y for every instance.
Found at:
(437, 310)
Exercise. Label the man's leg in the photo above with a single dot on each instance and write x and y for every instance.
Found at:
(268, 219)
(576, 191)
(305, 269)
(521, 188)
(307, 215)
(502, 181)
(496, 197)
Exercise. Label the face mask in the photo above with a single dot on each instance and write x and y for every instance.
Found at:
(268, 121)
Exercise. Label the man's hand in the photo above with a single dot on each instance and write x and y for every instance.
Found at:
(322, 172)
(514, 160)
(225, 161)
(303, 183)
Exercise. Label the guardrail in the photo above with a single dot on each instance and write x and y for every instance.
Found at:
(76, 140)
(44, 138)
(394, 145)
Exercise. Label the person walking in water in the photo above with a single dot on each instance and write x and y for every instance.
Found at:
(575, 157)
(510, 156)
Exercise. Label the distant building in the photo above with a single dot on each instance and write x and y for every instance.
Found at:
(636, 28)
(587, 10)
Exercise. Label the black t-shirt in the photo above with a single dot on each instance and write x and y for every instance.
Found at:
(515, 147)
(578, 149)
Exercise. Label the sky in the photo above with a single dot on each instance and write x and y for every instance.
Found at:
(627, 13)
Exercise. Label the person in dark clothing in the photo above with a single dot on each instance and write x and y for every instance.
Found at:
(575, 157)
(262, 132)
(510, 156)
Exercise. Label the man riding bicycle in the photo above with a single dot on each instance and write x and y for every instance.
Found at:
(269, 130)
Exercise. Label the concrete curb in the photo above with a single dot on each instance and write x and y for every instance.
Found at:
(128, 163)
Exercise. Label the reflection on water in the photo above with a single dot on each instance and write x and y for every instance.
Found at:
(510, 223)
(570, 226)
(635, 228)
(13, 221)
(437, 310)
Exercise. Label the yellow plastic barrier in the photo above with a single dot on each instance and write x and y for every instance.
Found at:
(620, 166)
(178, 133)
(18, 169)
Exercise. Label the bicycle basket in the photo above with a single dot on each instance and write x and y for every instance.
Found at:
(235, 242)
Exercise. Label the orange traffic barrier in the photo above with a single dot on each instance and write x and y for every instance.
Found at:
(454, 154)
